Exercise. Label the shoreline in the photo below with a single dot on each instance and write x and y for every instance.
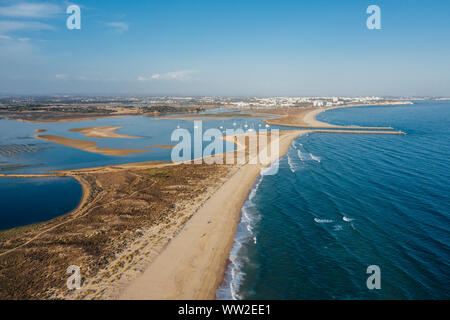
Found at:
(193, 267)
(86, 192)
(36, 117)
(193, 263)
(306, 117)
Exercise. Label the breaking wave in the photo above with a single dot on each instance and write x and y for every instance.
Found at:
(305, 156)
(294, 164)
(245, 235)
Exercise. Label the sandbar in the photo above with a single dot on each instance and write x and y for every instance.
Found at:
(89, 146)
(101, 132)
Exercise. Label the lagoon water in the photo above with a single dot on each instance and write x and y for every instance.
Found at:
(343, 202)
(24, 201)
(33, 200)
(22, 153)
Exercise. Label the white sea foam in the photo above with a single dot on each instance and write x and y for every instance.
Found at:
(315, 158)
(293, 165)
(244, 235)
(272, 169)
(347, 219)
(305, 156)
(323, 220)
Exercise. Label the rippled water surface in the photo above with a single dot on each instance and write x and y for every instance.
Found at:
(343, 202)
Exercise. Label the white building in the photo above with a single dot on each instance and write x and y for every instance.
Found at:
(318, 103)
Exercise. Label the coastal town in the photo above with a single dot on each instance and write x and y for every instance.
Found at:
(66, 106)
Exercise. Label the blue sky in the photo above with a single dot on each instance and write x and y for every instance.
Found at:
(232, 47)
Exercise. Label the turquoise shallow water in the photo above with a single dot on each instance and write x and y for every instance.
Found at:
(341, 202)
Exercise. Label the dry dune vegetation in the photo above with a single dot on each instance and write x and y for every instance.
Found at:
(119, 209)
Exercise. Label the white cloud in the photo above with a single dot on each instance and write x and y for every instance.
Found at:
(182, 75)
(9, 26)
(11, 49)
(120, 27)
(30, 10)
(65, 76)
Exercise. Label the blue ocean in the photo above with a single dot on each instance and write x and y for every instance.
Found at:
(343, 202)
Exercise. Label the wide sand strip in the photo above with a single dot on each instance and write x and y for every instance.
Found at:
(193, 264)
(89, 146)
(102, 132)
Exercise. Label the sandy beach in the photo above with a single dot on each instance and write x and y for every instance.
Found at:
(193, 264)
